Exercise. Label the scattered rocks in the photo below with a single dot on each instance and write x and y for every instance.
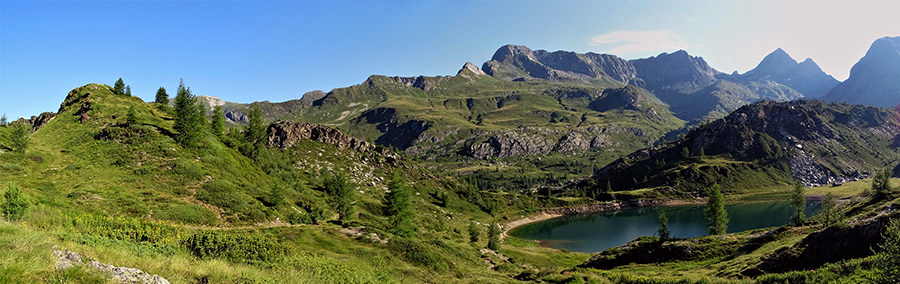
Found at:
(68, 259)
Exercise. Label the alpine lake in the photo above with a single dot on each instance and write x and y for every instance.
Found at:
(595, 232)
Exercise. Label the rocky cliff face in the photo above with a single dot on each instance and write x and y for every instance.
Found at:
(519, 62)
(677, 71)
(874, 79)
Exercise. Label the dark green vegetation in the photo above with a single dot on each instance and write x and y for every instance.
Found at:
(715, 215)
(798, 203)
(108, 178)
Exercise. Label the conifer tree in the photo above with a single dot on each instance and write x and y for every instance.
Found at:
(131, 117)
(218, 123)
(128, 90)
(828, 207)
(18, 136)
(14, 204)
(474, 232)
(798, 204)
(3, 120)
(494, 237)
(256, 131)
(161, 96)
(663, 229)
(119, 87)
(188, 118)
(341, 193)
(398, 205)
(716, 216)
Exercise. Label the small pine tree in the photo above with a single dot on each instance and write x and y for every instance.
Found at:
(341, 193)
(494, 237)
(18, 137)
(608, 188)
(398, 205)
(715, 215)
(685, 153)
(128, 90)
(3, 120)
(474, 232)
(663, 229)
(702, 153)
(14, 203)
(256, 131)
(887, 266)
(828, 207)
(131, 117)
(798, 204)
(188, 118)
(119, 87)
(161, 96)
(218, 123)
(881, 184)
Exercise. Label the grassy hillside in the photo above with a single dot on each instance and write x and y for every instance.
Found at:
(129, 195)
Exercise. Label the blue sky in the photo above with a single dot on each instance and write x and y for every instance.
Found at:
(246, 51)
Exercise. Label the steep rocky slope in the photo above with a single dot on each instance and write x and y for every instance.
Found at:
(767, 143)
(875, 79)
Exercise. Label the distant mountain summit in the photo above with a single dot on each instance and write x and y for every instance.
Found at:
(875, 79)
(517, 62)
(692, 88)
(806, 77)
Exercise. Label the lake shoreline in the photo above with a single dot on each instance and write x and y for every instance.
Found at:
(551, 213)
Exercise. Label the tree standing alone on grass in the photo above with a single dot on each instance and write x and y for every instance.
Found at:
(119, 87)
(218, 123)
(14, 204)
(716, 216)
(494, 237)
(828, 206)
(341, 193)
(398, 205)
(798, 204)
(18, 137)
(188, 118)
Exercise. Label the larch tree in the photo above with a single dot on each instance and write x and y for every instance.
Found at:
(798, 204)
(218, 123)
(663, 230)
(119, 87)
(398, 205)
(161, 96)
(716, 216)
(828, 209)
(188, 118)
(256, 131)
(494, 237)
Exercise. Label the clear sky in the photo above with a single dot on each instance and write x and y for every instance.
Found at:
(244, 51)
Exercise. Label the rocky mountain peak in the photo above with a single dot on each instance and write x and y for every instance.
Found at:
(873, 80)
(471, 67)
(777, 62)
(510, 51)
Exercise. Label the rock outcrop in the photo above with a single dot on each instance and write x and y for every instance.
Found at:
(471, 67)
(67, 259)
(287, 133)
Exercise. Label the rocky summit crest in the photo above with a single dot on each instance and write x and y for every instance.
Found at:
(874, 79)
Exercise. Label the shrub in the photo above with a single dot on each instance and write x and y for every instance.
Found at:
(187, 169)
(246, 247)
(417, 253)
(223, 195)
(14, 204)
